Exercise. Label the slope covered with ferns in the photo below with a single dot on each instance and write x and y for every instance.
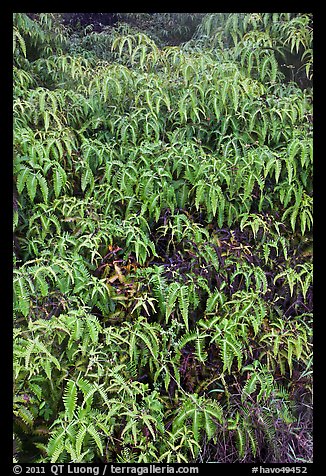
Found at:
(162, 241)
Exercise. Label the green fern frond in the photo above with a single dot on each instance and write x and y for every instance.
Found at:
(96, 437)
(70, 399)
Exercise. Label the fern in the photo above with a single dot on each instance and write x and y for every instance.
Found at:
(203, 414)
(22, 295)
(59, 179)
(260, 376)
(70, 399)
(96, 437)
(93, 328)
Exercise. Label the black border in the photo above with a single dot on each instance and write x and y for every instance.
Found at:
(6, 208)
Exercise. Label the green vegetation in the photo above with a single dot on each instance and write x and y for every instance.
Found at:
(163, 239)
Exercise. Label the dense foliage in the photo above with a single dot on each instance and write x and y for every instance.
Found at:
(163, 241)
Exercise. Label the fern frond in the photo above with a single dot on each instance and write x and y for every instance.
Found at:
(70, 399)
(96, 437)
